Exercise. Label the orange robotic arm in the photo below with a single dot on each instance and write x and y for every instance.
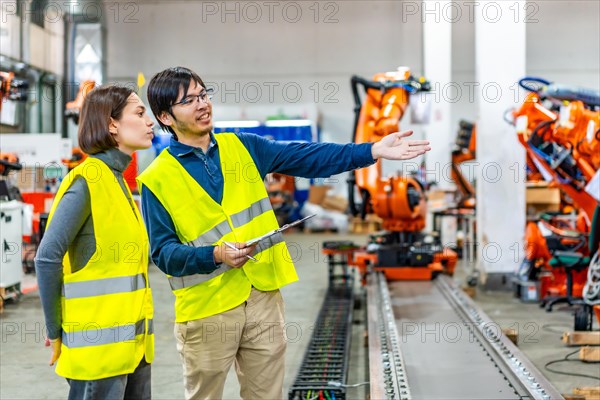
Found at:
(12, 88)
(533, 114)
(577, 128)
(464, 150)
(537, 132)
(73, 108)
(399, 201)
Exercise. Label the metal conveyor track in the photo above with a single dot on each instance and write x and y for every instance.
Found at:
(428, 340)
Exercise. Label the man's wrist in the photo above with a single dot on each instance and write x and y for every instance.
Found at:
(217, 255)
(374, 151)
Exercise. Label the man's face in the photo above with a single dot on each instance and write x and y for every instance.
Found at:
(193, 113)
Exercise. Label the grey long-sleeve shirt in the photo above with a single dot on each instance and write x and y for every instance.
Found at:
(72, 230)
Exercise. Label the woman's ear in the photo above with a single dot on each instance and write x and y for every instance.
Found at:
(113, 126)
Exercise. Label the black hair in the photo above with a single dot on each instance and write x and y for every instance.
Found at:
(164, 87)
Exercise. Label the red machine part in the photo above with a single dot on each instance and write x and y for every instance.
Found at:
(536, 247)
(131, 172)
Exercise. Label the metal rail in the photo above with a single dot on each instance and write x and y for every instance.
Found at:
(386, 366)
(429, 340)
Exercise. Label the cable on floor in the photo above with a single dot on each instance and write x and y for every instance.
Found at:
(566, 358)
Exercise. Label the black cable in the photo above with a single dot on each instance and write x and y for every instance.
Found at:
(561, 330)
(508, 121)
(542, 126)
(566, 358)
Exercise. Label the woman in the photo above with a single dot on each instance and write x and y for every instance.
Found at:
(92, 264)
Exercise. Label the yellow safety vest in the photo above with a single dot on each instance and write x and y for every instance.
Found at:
(106, 306)
(244, 213)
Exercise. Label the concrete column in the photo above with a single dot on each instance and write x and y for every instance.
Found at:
(437, 60)
(499, 63)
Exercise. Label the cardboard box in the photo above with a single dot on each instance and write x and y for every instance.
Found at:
(542, 195)
(316, 194)
(336, 203)
(439, 199)
(434, 195)
(37, 179)
(541, 198)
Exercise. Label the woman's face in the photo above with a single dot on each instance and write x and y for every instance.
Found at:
(134, 130)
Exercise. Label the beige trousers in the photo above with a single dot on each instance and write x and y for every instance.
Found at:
(251, 335)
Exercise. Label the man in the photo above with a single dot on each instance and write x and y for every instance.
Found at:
(203, 198)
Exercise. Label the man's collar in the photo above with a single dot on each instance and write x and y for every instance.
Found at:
(180, 149)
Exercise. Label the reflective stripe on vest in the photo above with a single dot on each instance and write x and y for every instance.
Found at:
(244, 213)
(102, 301)
(97, 337)
(247, 215)
(180, 282)
(211, 236)
(99, 287)
(238, 219)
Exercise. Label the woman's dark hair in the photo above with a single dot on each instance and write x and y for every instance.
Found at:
(99, 106)
(164, 87)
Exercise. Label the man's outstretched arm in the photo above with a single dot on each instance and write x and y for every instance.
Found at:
(320, 160)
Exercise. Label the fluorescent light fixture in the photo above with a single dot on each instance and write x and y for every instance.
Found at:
(236, 124)
(288, 122)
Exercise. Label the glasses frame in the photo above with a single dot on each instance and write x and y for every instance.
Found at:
(208, 93)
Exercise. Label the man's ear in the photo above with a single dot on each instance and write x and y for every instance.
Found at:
(113, 126)
(165, 118)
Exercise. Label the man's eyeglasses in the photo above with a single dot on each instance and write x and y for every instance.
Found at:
(204, 96)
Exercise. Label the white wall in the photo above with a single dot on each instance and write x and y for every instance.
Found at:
(563, 46)
(10, 35)
(46, 45)
(229, 43)
(358, 37)
(563, 41)
(43, 47)
(243, 52)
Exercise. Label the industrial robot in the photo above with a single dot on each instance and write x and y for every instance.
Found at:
(558, 126)
(402, 251)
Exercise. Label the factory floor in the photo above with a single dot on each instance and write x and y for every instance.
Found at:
(25, 374)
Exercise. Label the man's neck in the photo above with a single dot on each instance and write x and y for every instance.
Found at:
(195, 141)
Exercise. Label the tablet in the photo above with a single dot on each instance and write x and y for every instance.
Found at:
(276, 231)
